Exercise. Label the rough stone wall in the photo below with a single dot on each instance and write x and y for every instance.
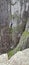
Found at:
(4, 35)
(5, 41)
(3, 12)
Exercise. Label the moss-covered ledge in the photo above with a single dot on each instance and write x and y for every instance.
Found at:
(22, 44)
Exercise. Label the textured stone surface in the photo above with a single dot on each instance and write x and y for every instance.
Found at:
(24, 41)
(3, 64)
(3, 58)
(27, 26)
(20, 58)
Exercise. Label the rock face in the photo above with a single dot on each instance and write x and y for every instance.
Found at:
(24, 41)
(20, 58)
(4, 37)
(3, 12)
(5, 42)
(3, 58)
(27, 26)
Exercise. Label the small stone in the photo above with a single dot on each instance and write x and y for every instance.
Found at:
(3, 58)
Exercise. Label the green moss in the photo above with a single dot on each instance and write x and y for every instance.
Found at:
(10, 30)
(18, 48)
(25, 33)
(12, 52)
(24, 36)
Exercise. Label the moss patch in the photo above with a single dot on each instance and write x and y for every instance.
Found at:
(12, 52)
(25, 33)
(18, 48)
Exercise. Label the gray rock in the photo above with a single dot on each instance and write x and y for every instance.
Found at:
(3, 58)
(24, 41)
(3, 64)
(27, 26)
(20, 58)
